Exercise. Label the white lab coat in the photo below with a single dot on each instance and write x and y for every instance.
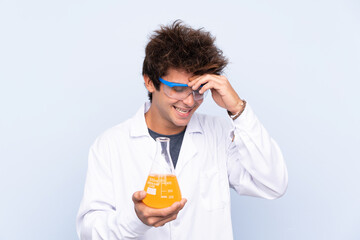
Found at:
(209, 162)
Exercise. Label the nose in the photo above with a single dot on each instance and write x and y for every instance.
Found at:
(189, 100)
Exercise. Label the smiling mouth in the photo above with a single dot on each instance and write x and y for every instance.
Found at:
(181, 110)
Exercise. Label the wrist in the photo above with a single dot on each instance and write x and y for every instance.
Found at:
(238, 108)
(238, 111)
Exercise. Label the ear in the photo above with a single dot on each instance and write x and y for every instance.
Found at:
(149, 84)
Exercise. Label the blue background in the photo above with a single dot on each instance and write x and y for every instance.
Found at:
(71, 69)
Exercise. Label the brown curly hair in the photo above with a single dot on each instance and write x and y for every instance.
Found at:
(182, 47)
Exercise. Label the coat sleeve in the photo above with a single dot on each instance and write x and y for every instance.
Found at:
(98, 217)
(255, 163)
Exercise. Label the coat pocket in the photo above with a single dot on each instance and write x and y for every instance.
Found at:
(213, 190)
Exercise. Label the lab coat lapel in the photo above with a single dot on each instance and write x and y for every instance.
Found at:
(139, 130)
(188, 149)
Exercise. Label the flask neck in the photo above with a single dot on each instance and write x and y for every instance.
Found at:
(163, 156)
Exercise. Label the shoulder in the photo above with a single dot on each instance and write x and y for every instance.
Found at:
(114, 134)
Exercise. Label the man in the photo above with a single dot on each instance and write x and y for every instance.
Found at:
(210, 154)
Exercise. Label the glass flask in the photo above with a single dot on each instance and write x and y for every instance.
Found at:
(162, 188)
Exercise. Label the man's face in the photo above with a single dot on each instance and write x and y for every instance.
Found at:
(168, 115)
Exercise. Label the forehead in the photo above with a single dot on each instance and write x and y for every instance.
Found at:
(177, 76)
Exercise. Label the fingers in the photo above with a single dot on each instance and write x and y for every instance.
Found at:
(183, 201)
(208, 81)
(138, 196)
(166, 220)
(172, 216)
(156, 217)
(166, 212)
(222, 92)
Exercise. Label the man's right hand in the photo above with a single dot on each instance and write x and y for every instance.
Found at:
(152, 216)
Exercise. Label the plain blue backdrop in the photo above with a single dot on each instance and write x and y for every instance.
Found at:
(71, 69)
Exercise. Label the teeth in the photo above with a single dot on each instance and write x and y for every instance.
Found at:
(180, 110)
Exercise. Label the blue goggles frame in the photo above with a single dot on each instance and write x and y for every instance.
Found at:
(172, 84)
(196, 94)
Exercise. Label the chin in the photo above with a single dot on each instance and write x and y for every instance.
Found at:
(181, 123)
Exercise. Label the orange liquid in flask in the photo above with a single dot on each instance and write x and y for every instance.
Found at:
(161, 191)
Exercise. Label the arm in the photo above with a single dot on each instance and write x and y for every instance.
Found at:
(98, 217)
(255, 163)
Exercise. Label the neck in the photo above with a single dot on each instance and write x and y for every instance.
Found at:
(159, 125)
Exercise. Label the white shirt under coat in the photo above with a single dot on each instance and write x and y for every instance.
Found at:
(208, 164)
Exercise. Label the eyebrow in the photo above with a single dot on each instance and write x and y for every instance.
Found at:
(172, 84)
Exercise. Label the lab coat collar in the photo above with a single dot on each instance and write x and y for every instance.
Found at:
(189, 148)
(194, 125)
(139, 127)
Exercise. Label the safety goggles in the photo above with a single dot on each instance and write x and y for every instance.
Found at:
(180, 91)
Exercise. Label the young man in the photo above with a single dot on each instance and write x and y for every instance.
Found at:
(210, 154)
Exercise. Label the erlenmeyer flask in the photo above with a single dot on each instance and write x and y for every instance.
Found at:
(162, 187)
